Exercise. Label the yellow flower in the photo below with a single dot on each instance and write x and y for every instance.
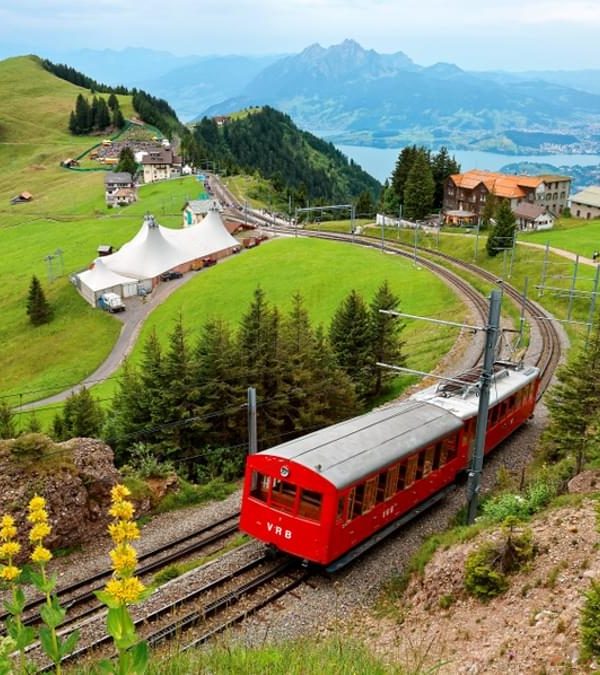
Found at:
(39, 531)
(123, 530)
(9, 549)
(7, 521)
(37, 503)
(8, 532)
(41, 555)
(122, 510)
(119, 492)
(39, 516)
(9, 572)
(126, 591)
(124, 559)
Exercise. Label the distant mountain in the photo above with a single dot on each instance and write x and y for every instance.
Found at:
(583, 80)
(189, 83)
(357, 96)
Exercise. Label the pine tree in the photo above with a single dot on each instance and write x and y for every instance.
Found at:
(502, 235)
(113, 102)
(83, 115)
(386, 343)
(364, 205)
(94, 113)
(127, 161)
(117, 119)
(38, 309)
(7, 422)
(404, 164)
(82, 416)
(102, 115)
(73, 128)
(442, 166)
(152, 389)
(574, 405)
(350, 337)
(419, 188)
(489, 210)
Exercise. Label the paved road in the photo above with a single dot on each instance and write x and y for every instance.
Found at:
(132, 319)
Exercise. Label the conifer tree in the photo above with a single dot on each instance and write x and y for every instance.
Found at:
(38, 309)
(152, 386)
(113, 102)
(127, 161)
(574, 405)
(82, 115)
(350, 337)
(501, 236)
(7, 422)
(102, 118)
(404, 164)
(442, 166)
(118, 120)
(419, 188)
(489, 210)
(217, 381)
(82, 416)
(385, 340)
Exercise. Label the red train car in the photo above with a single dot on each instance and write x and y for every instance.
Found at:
(327, 496)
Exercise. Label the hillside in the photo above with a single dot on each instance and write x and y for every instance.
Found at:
(297, 162)
(357, 96)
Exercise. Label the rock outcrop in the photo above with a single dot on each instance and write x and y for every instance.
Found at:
(75, 477)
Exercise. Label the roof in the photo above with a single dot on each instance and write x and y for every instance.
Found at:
(463, 400)
(588, 197)
(161, 156)
(502, 185)
(530, 211)
(350, 450)
(156, 249)
(117, 178)
(100, 277)
(203, 205)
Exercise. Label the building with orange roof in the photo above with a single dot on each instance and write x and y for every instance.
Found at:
(465, 194)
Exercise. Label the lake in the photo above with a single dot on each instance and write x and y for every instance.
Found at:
(380, 162)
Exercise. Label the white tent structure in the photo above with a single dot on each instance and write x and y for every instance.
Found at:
(99, 279)
(154, 250)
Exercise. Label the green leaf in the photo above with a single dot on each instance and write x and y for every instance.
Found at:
(52, 616)
(113, 623)
(25, 637)
(139, 656)
(36, 579)
(105, 667)
(47, 644)
(107, 599)
(69, 644)
(19, 599)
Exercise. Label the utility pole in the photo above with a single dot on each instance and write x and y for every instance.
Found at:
(491, 330)
(252, 440)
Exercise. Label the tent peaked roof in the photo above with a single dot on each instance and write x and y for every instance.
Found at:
(100, 277)
(149, 253)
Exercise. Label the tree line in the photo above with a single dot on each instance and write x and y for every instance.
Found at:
(95, 116)
(186, 400)
(417, 183)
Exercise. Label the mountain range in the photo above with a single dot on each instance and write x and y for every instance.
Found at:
(352, 95)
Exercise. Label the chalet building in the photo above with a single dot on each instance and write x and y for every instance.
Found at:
(119, 189)
(465, 194)
(586, 204)
(533, 217)
(160, 164)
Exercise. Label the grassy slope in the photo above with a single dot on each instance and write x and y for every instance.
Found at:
(577, 236)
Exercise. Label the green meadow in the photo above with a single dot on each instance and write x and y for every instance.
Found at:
(576, 236)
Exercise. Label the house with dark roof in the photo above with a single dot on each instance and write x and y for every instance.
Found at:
(466, 193)
(586, 204)
(533, 217)
(161, 164)
(119, 188)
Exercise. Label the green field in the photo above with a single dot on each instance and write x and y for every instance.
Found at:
(577, 236)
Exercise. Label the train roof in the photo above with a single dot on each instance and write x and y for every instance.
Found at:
(461, 396)
(348, 451)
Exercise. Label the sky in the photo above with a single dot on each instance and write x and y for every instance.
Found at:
(512, 35)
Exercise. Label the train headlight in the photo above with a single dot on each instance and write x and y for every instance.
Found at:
(284, 471)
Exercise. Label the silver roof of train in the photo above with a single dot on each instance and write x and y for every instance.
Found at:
(353, 449)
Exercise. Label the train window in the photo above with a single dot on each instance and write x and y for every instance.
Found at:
(261, 485)
(420, 464)
(351, 498)
(437, 456)
(283, 495)
(428, 463)
(411, 471)
(449, 449)
(310, 505)
(359, 495)
(340, 509)
(381, 483)
(370, 495)
(391, 481)
(402, 476)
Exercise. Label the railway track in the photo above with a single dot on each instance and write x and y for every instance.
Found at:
(209, 609)
(79, 598)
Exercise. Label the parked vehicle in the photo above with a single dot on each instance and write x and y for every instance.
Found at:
(171, 274)
(111, 302)
(209, 262)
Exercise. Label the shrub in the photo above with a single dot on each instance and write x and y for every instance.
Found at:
(482, 579)
(590, 621)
